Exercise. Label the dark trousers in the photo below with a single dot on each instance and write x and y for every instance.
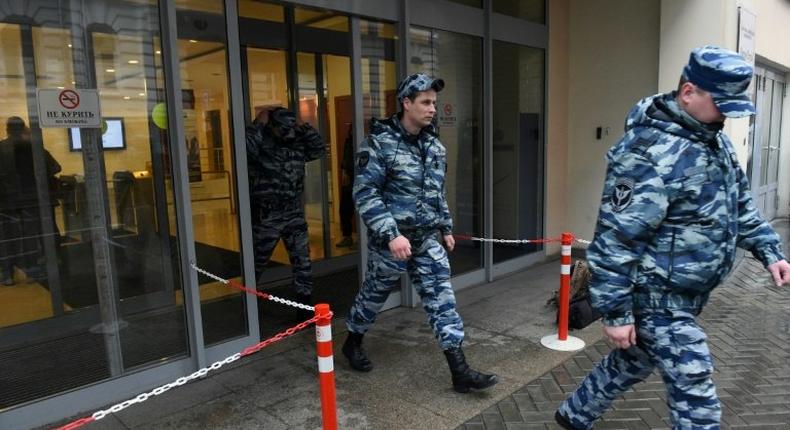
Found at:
(346, 210)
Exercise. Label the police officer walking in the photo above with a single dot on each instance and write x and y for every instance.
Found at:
(277, 151)
(399, 193)
(675, 205)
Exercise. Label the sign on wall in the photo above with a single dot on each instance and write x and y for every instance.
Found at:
(747, 23)
(447, 116)
(69, 108)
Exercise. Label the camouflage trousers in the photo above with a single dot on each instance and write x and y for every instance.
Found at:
(268, 228)
(429, 271)
(677, 346)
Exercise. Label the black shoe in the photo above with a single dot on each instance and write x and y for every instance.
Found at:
(563, 422)
(356, 355)
(464, 377)
(304, 314)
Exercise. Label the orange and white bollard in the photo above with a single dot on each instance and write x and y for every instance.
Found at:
(326, 366)
(561, 341)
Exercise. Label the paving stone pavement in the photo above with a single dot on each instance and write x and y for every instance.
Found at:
(748, 326)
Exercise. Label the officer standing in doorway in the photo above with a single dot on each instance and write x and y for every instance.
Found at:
(277, 151)
(399, 193)
(675, 205)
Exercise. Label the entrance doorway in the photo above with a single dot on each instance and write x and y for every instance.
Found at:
(766, 144)
(300, 59)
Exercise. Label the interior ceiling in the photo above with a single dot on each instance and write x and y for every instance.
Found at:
(119, 59)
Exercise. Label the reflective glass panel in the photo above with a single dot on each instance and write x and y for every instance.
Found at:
(518, 86)
(89, 259)
(530, 10)
(208, 141)
(458, 59)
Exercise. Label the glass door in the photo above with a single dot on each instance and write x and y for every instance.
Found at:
(766, 145)
(300, 59)
(88, 263)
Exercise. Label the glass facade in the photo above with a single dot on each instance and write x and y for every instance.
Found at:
(100, 225)
(90, 283)
(458, 59)
(518, 87)
(530, 10)
(766, 144)
(203, 70)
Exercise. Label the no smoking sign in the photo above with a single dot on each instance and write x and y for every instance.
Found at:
(69, 108)
(69, 99)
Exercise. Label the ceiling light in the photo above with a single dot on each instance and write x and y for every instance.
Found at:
(192, 41)
(69, 45)
(126, 97)
(110, 70)
(60, 88)
(158, 51)
(140, 94)
(133, 62)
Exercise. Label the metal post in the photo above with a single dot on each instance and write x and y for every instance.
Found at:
(561, 341)
(326, 366)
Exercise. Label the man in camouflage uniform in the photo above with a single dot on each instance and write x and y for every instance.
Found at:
(675, 205)
(277, 151)
(399, 193)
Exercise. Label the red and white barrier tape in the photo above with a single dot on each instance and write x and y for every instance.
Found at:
(214, 366)
(518, 241)
(185, 379)
(241, 287)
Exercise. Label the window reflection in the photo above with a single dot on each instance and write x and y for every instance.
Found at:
(530, 10)
(207, 140)
(517, 147)
(458, 59)
(99, 293)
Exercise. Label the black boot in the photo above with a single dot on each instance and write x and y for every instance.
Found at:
(304, 314)
(356, 355)
(563, 422)
(464, 377)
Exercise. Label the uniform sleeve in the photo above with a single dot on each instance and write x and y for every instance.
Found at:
(446, 221)
(314, 147)
(369, 181)
(754, 233)
(254, 138)
(633, 205)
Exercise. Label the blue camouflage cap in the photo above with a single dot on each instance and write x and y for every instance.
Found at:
(417, 82)
(725, 75)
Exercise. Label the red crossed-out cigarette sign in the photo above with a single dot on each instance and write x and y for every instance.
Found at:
(69, 99)
(69, 107)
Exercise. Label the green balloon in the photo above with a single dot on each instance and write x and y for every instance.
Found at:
(159, 115)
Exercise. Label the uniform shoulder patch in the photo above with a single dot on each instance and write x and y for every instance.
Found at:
(362, 159)
(644, 139)
(623, 193)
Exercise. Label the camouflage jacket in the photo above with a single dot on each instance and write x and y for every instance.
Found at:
(675, 205)
(399, 182)
(276, 167)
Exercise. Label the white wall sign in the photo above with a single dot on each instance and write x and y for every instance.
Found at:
(747, 23)
(447, 117)
(67, 108)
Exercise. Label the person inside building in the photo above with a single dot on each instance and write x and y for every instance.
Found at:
(399, 193)
(21, 243)
(675, 205)
(346, 186)
(277, 151)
